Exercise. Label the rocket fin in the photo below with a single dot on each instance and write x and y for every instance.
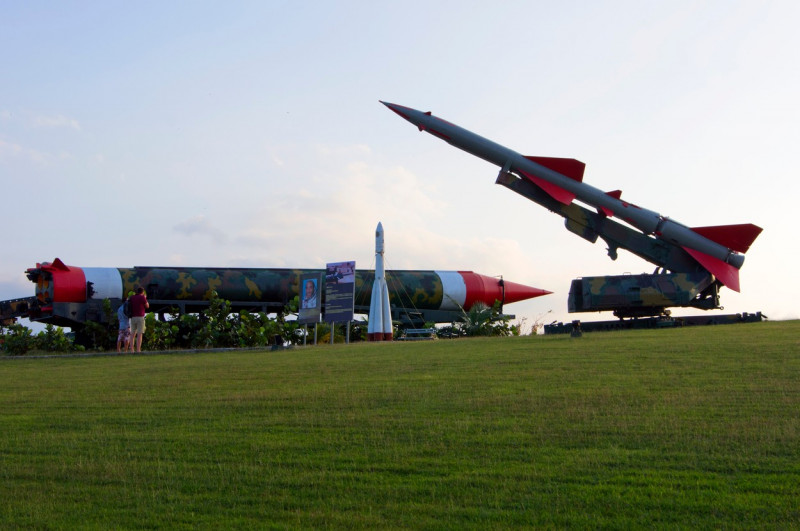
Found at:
(58, 264)
(725, 273)
(556, 192)
(616, 194)
(736, 237)
(567, 167)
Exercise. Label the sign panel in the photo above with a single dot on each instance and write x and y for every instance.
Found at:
(340, 287)
(310, 298)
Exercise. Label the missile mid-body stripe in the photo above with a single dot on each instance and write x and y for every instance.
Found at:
(454, 290)
(566, 188)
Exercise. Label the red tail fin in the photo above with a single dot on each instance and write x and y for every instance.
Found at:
(567, 167)
(725, 273)
(556, 192)
(736, 237)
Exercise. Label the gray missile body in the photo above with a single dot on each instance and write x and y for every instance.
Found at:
(717, 249)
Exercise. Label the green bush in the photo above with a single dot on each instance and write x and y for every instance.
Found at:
(17, 340)
(53, 339)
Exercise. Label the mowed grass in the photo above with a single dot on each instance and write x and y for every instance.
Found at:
(687, 428)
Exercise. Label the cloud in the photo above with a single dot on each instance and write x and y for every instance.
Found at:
(333, 217)
(9, 150)
(200, 226)
(335, 214)
(57, 121)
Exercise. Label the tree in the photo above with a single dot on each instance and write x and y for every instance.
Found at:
(482, 320)
(17, 339)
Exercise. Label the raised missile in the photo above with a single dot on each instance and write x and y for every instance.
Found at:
(379, 327)
(67, 295)
(718, 249)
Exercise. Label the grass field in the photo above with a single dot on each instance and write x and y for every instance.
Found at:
(688, 428)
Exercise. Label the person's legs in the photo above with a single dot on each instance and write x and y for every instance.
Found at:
(137, 327)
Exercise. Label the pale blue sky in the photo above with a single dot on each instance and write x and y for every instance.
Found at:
(250, 133)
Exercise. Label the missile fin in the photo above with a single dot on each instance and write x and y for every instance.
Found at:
(567, 167)
(725, 273)
(603, 211)
(736, 237)
(556, 192)
(58, 264)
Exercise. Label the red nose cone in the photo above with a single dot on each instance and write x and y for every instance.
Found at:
(481, 288)
(519, 292)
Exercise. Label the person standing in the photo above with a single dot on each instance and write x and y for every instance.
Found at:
(139, 306)
(124, 335)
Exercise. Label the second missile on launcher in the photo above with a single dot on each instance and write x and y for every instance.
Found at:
(716, 249)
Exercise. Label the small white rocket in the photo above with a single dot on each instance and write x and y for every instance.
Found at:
(380, 314)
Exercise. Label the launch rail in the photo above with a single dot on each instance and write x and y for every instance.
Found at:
(575, 327)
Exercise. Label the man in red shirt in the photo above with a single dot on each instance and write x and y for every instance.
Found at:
(139, 306)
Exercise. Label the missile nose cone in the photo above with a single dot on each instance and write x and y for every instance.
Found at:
(412, 115)
(379, 245)
(481, 288)
(519, 292)
(396, 108)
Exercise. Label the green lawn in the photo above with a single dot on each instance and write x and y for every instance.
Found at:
(688, 428)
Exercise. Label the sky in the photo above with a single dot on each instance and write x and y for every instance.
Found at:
(250, 134)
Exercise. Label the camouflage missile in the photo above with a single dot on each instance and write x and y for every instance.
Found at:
(717, 249)
(64, 292)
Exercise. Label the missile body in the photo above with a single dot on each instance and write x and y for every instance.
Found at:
(68, 295)
(715, 248)
(380, 313)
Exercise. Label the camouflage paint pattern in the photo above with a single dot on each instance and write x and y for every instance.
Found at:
(642, 295)
(414, 289)
(197, 284)
(10, 310)
(420, 289)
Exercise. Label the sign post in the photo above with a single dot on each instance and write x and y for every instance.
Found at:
(340, 286)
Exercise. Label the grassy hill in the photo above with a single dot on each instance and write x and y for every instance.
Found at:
(692, 427)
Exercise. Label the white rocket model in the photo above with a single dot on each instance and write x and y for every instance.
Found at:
(380, 314)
